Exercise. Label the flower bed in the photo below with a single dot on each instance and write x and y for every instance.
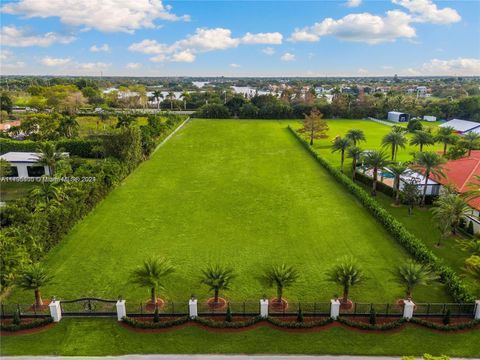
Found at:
(26, 324)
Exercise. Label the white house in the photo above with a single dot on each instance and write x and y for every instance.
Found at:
(397, 116)
(430, 118)
(25, 164)
(461, 126)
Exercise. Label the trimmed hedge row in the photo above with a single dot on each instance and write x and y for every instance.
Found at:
(154, 325)
(76, 147)
(228, 324)
(300, 325)
(451, 327)
(365, 326)
(410, 243)
(26, 325)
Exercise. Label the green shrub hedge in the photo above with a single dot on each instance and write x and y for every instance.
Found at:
(450, 327)
(228, 324)
(410, 243)
(26, 325)
(76, 147)
(299, 324)
(366, 326)
(154, 325)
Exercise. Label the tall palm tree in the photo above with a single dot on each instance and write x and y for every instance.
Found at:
(428, 163)
(397, 170)
(355, 136)
(354, 153)
(171, 97)
(422, 138)
(185, 96)
(470, 141)
(450, 209)
(346, 273)
(49, 156)
(280, 276)
(341, 144)
(410, 274)
(45, 192)
(157, 95)
(217, 277)
(375, 160)
(447, 136)
(33, 277)
(151, 274)
(394, 140)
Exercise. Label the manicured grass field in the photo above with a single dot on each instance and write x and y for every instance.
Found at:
(97, 337)
(241, 193)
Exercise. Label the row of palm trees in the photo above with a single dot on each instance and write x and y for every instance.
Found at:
(157, 95)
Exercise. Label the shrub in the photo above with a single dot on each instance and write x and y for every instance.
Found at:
(154, 325)
(373, 317)
(228, 317)
(16, 318)
(363, 326)
(446, 317)
(228, 325)
(156, 316)
(450, 327)
(213, 111)
(470, 228)
(299, 325)
(26, 325)
(300, 315)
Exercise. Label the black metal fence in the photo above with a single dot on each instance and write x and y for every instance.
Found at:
(88, 307)
(24, 310)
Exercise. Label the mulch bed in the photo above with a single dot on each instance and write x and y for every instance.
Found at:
(276, 305)
(25, 331)
(219, 305)
(151, 306)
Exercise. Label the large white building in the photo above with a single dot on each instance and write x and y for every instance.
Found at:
(25, 164)
(462, 126)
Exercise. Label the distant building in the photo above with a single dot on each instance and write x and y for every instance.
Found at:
(429, 118)
(462, 126)
(397, 116)
(25, 164)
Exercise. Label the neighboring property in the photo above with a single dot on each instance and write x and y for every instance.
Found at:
(430, 118)
(7, 125)
(25, 164)
(397, 116)
(462, 126)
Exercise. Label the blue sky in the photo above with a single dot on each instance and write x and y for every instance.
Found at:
(240, 38)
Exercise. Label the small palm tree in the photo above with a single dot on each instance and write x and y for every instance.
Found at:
(280, 276)
(394, 140)
(355, 136)
(49, 156)
(451, 209)
(341, 144)
(185, 96)
(397, 170)
(151, 274)
(446, 136)
(346, 273)
(217, 277)
(355, 153)
(45, 192)
(171, 97)
(410, 274)
(68, 126)
(33, 277)
(428, 163)
(470, 141)
(422, 138)
(375, 160)
(157, 95)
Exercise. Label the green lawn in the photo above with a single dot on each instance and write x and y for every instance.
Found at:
(97, 337)
(242, 193)
(10, 191)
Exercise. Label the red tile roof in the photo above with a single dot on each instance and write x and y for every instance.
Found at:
(461, 174)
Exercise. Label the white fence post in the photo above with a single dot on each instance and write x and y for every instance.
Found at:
(408, 307)
(334, 308)
(55, 310)
(477, 309)
(121, 310)
(264, 308)
(192, 308)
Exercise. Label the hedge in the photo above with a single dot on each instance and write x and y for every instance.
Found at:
(228, 324)
(451, 327)
(154, 325)
(299, 325)
(365, 326)
(26, 325)
(76, 147)
(410, 243)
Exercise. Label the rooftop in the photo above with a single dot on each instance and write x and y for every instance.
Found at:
(21, 157)
(461, 125)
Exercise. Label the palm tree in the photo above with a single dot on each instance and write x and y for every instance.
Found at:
(45, 192)
(446, 135)
(422, 138)
(475, 188)
(428, 163)
(375, 160)
(151, 274)
(450, 209)
(280, 276)
(33, 277)
(124, 121)
(217, 277)
(397, 170)
(411, 274)
(341, 144)
(470, 141)
(157, 95)
(346, 273)
(355, 136)
(355, 153)
(394, 140)
(49, 156)
(185, 96)
(68, 126)
(171, 97)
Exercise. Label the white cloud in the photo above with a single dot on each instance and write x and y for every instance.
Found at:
(203, 40)
(92, 66)
(268, 51)
(235, 66)
(353, 3)
(103, 15)
(362, 71)
(5, 54)
(49, 61)
(459, 66)
(18, 37)
(288, 57)
(102, 48)
(10, 68)
(427, 11)
(133, 66)
(262, 38)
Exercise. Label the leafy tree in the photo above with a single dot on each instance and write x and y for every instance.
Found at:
(446, 135)
(6, 103)
(50, 154)
(213, 111)
(249, 111)
(5, 168)
(151, 274)
(68, 126)
(355, 136)
(354, 153)
(280, 276)
(428, 163)
(157, 95)
(394, 140)
(470, 141)
(217, 277)
(397, 170)
(341, 144)
(414, 125)
(375, 160)
(410, 274)
(450, 209)
(346, 273)
(411, 193)
(422, 138)
(314, 126)
(125, 121)
(33, 277)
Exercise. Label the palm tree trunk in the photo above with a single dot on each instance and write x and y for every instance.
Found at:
(38, 298)
(421, 147)
(425, 188)
(215, 297)
(444, 149)
(342, 161)
(354, 168)
(397, 195)
(345, 294)
(311, 136)
(393, 151)
(374, 183)
(153, 297)
(279, 294)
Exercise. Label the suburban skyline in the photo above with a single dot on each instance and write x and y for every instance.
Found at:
(240, 38)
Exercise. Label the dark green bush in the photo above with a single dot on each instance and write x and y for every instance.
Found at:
(300, 315)
(27, 325)
(473, 324)
(228, 316)
(372, 319)
(299, 325)
(363, 326)
(154, 325)
(226, 324)
(156, 316)
(446, 317)
(16, 318)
